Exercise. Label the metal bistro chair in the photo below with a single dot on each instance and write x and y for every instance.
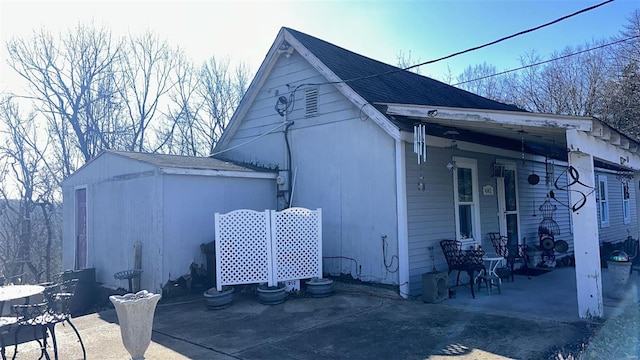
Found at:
(469, 261)
(511, 252)
(45, 316)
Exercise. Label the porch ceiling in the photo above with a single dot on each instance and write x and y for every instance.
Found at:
(541, 134)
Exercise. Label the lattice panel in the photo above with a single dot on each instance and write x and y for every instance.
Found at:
(243, 248)
(297, 243)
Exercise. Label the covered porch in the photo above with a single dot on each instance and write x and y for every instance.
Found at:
(509, 172)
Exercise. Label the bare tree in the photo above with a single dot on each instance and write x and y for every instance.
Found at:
(27, 220)
(147, 65)
(404, 61)
(73, 82)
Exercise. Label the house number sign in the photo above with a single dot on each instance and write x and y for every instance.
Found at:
(487, 190)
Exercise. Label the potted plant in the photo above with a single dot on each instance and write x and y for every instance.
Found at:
(135, 316)
(534, 253)
(319, 287)
(219, 299)
(619, 269)
(272, 295)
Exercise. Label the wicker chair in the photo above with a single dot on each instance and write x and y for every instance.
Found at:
(502, 247)
(469, 261)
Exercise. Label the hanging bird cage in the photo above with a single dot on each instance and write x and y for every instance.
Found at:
(548, 225)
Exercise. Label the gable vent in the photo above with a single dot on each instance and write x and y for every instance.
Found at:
(311, 102)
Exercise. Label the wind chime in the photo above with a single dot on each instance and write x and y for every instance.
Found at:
(420, 148)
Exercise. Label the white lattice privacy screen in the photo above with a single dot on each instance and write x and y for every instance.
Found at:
(243, 247)
(270, 246)
(297, 243)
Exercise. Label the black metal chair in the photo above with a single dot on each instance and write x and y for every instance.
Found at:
(44, 316)
(511, 252)
(469, 261)
(6, 323)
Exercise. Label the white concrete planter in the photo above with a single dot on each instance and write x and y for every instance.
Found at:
(319, 287)
(619, 274)
(219, 299)
(272, 295)
(135, 315)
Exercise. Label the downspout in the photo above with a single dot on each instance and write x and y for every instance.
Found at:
(403, 230)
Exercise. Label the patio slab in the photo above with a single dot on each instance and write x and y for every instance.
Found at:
(357, 322)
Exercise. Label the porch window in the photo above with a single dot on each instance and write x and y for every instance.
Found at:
(465, 180)
(603, 201)
(626, 210)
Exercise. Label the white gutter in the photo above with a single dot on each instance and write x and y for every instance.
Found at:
(220, 173)
(403, 229)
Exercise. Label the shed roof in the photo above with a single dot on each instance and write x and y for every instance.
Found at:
(362, 74)
(187, 162)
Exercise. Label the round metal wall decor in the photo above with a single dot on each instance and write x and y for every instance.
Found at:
(533, 179)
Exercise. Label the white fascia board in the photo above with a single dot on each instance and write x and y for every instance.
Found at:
(491, 116)
(346, 90)
(218, 173)
(583, 142)
(251, 93)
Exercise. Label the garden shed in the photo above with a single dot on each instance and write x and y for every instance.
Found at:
(164, 203)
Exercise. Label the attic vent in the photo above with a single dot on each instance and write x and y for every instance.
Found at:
(311, 102)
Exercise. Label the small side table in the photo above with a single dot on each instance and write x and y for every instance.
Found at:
(128, 275)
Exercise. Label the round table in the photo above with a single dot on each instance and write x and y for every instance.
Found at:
(12, 292)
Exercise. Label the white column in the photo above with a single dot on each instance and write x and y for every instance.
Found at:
(585, 239)
(403, 226)
(634, 192)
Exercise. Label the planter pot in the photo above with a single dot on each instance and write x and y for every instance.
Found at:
(219, 299)
(619, 275)
(535, 258)
(135, 316)
(319, 287)
(272, 295)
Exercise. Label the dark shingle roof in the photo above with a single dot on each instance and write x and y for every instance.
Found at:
(186, 162)
(402, 87)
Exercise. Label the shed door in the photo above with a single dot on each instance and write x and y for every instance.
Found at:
(81, 229)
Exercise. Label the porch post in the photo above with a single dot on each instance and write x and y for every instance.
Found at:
(634, 190)
(403, 226)
(585, 236)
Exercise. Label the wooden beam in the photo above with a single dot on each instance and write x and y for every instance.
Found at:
(584, 222)
(598, 129)
(624, 143)
(489, 116)
(615, 138)
(580, 141)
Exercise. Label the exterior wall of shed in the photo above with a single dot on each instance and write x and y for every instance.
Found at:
(342, 162)
(190, 203)
(121, 211)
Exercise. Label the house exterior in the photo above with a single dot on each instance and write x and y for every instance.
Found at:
(165, 202)
(398, 162)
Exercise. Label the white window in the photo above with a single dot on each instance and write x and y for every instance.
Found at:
(603, 200)
(626, 210)
(466, 199)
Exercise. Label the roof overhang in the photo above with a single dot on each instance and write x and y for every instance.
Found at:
(556, 133)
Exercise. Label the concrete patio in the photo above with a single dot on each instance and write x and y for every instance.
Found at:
(528, 320)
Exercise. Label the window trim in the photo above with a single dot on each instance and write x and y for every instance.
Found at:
(473, 165)
(626, 204)
(603, 205)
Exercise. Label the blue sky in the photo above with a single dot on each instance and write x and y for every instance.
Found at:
(244, 30)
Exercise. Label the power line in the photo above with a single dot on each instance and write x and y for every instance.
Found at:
(547, 61)
(482, 46)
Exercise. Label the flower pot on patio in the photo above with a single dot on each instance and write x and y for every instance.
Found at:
(535, 257)
(219, 299)
(135, 315)
(319, 287)
(272, 295)
(619, 268)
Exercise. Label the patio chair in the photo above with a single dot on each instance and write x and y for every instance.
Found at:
(32, 316)
(511, 252)
(469, 261)
(59, 299)
(6, 323)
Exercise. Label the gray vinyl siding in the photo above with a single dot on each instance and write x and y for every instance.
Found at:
(342, 162)
(617, 230)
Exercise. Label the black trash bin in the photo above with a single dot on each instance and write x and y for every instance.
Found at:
(209, 249)
(86, 289)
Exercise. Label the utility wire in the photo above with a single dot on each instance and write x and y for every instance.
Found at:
(481, 46)
(548, 61)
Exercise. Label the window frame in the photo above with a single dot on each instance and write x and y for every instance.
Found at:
(626, 203)
(472, 164)
(603, 201)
